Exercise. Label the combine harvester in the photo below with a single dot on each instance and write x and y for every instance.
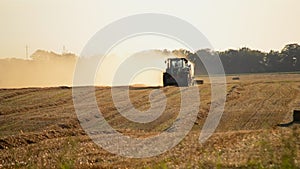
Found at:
(179, 72)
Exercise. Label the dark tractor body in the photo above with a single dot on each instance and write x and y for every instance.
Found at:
(179, 72)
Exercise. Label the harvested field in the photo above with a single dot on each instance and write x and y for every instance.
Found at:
(39, 127)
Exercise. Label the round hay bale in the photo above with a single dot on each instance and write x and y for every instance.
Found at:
(64, 87)
(200, 81)
(296, 116)
(236, 78)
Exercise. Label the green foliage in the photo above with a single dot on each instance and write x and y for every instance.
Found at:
(161, 165)
(287, 162)
(66, 158)
(290, 146)
(67, 165)
(246, 60)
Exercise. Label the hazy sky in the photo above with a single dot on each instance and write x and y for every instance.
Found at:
(52, 24)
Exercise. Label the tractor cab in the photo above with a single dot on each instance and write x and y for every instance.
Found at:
(176, 65)
(178, 72)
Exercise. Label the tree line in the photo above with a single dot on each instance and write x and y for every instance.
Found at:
(245, 60)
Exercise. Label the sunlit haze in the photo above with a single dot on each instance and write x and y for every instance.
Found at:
(58, 24)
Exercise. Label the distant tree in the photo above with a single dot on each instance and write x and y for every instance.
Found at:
(251, 61)
(290, 57)
(199, 57)
(272, 61)
(245, 60)
(181, 53)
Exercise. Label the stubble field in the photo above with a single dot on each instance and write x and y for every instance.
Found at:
(39, 127)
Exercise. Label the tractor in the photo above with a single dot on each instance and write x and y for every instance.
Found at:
(179, 72)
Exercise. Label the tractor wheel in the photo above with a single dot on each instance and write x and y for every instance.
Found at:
(166, 79)
(185, 81)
